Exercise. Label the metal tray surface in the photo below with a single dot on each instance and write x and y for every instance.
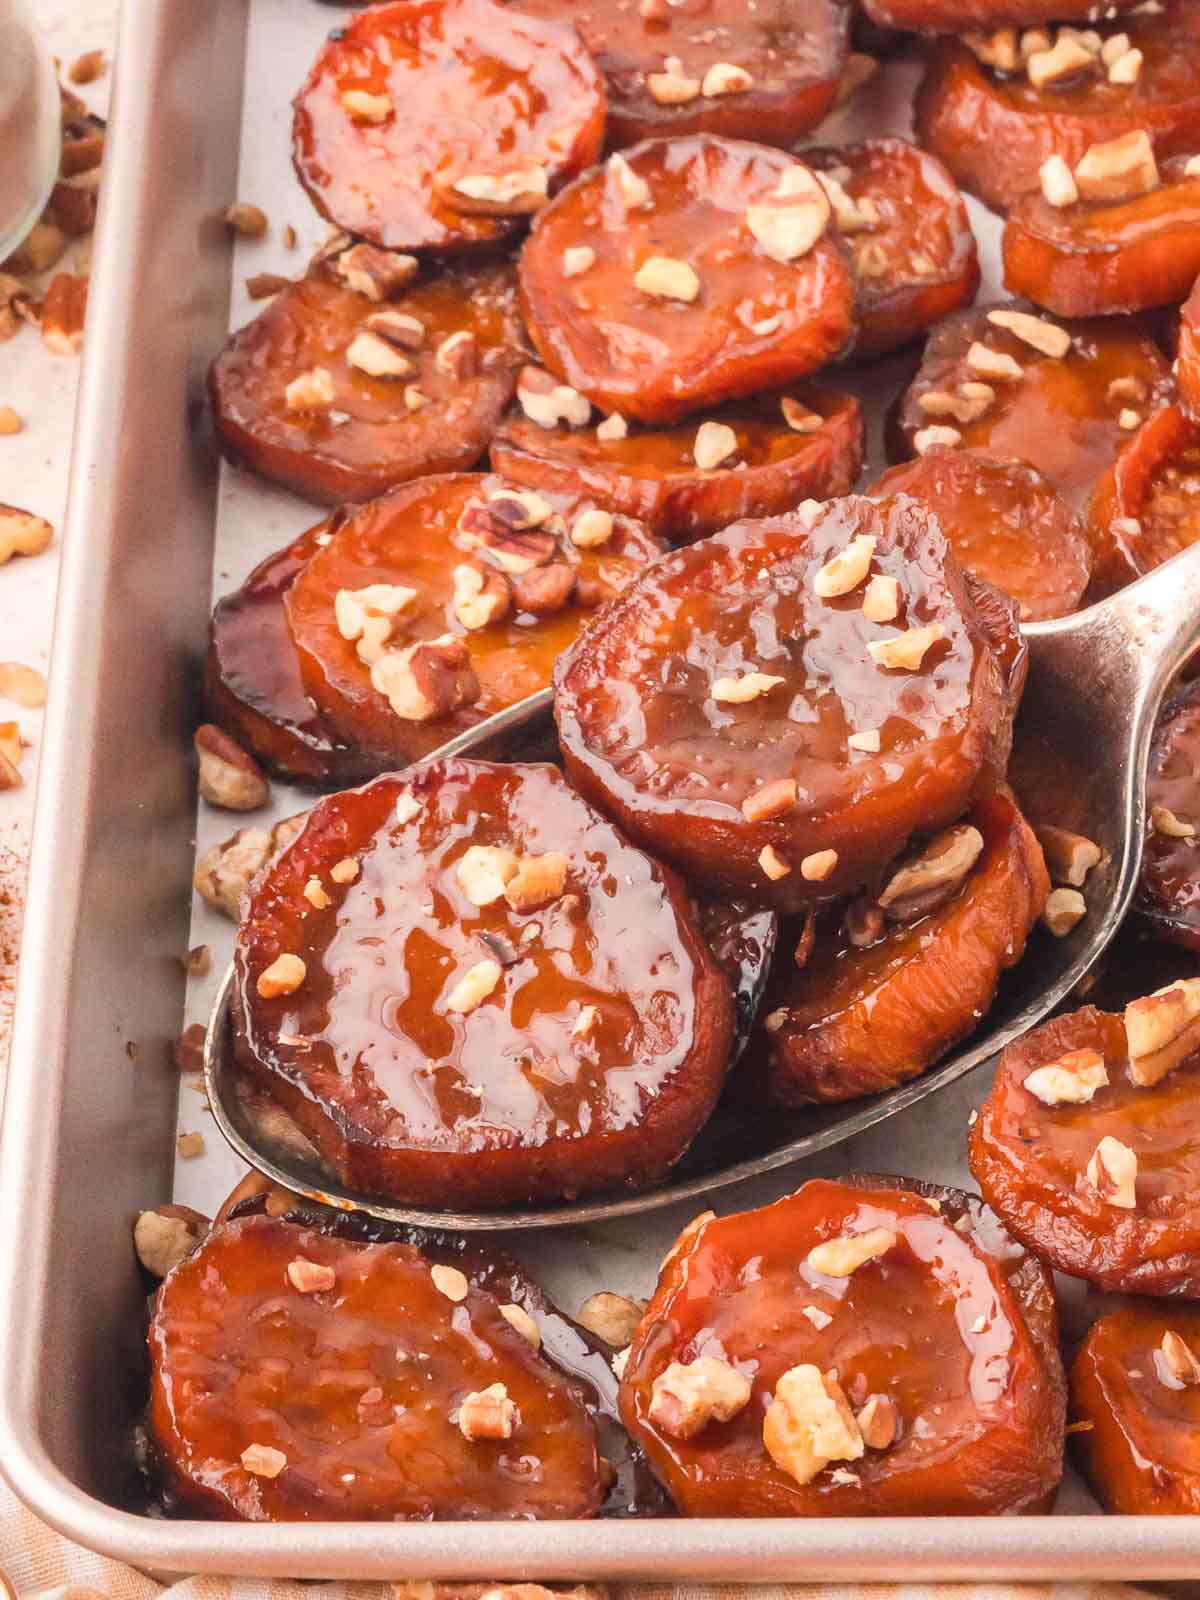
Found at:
(201, 116)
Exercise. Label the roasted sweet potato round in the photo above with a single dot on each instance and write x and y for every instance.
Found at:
(712, 272)
(499, 999)
(440, 124)
(252, 683)
(1056, 396)
(1097, 1166)
(429, 609)
(745, 710)
(570, 1349)
(994, 128)
(297, 1375)
(340, 397)
(1145, 508)
(1005, 523)
(767, 72)
(806, 444)
(1136, 1384)
(1168, 897)
(915, 258)
(1097, 257)
(890, 987)
(844, 1352)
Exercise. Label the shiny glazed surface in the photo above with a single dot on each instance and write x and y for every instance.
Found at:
(358, 1386)
(505, 1102)
(1005, 523)
(641, 732)
(1030, 1159)
(651, 474)
(793, 52)
(1146, 507)
(252, 683)
(1059, 416)
(413, 538)
(368, 439)
(475, 89)
(934, 1325)
(756, 323)
(1187, 364)
(918, 262)
(1142, 1453)
(1168, 897)
(857, 1020)
(994, 131)
(1097, 257)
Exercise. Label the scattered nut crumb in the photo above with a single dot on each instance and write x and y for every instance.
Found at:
(473, 988)
(190, 1145)
(772, 863)
(310, 1277)
(843, 572)
(740, 691)
(88, 67)
(366, 107)
(347, 869)
(667, 278)
(840, 1257)
(612, 429)
(1064, 909)
(248, 220)
(24, 686)
(263, 1460)
(197, 963)
(228, 777)
(487, 1414)
(164, 1237)
(578, 259)
(686, 1396)
(771, 800)
(1047, 337)
(10, 422)
(818, 866)
(809, 1423)
(926, 439)
(1071, 1080)
(906, 650)
(714, 444)
(611, 1317)
(284, 976)
(450, 1282)
(517, 1317)
(22, 533)
(1112, 1172)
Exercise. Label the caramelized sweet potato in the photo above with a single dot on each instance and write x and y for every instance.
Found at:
(953, 16)
(1097, 257)
(1168, 897)
(683, 304)
(994, 129)
(753, 732)
(1145, 508)
(885, 994)
(1123, 1214)
(937, 1398)
(440, 124)
(491, 583)
(1134, 1383)
(252, 683)
(1005, 523)
(295, 1374)
(915, 258)
(1062, 412)
(367, 431)
(666, 66)
(652, 475)
(469, 990)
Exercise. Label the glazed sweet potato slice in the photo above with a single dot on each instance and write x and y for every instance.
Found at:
(1145, 510)
(1168, 897)
(441, 124)
(709, 271)
(470, 991)
(1086, 1146)
(1019, 386)
(1005, 523)
(914, 253)
(768, 72)
(804, 444)
(252, 683)
(567, 1346)
(428, 610)
(1130, 251)
(985, 113)
(340, 393)
(281, 1356)
(1136, 1384)
(828, 1355)
(745, 711)
(890, 987)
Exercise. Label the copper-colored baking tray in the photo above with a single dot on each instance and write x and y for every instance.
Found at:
(91, 1108)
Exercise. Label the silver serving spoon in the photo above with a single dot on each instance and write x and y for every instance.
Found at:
(1096, 681)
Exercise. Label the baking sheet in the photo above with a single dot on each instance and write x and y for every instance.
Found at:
(254, 518)
(90, 1113)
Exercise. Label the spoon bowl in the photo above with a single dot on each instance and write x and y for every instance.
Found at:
(1096, 681)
